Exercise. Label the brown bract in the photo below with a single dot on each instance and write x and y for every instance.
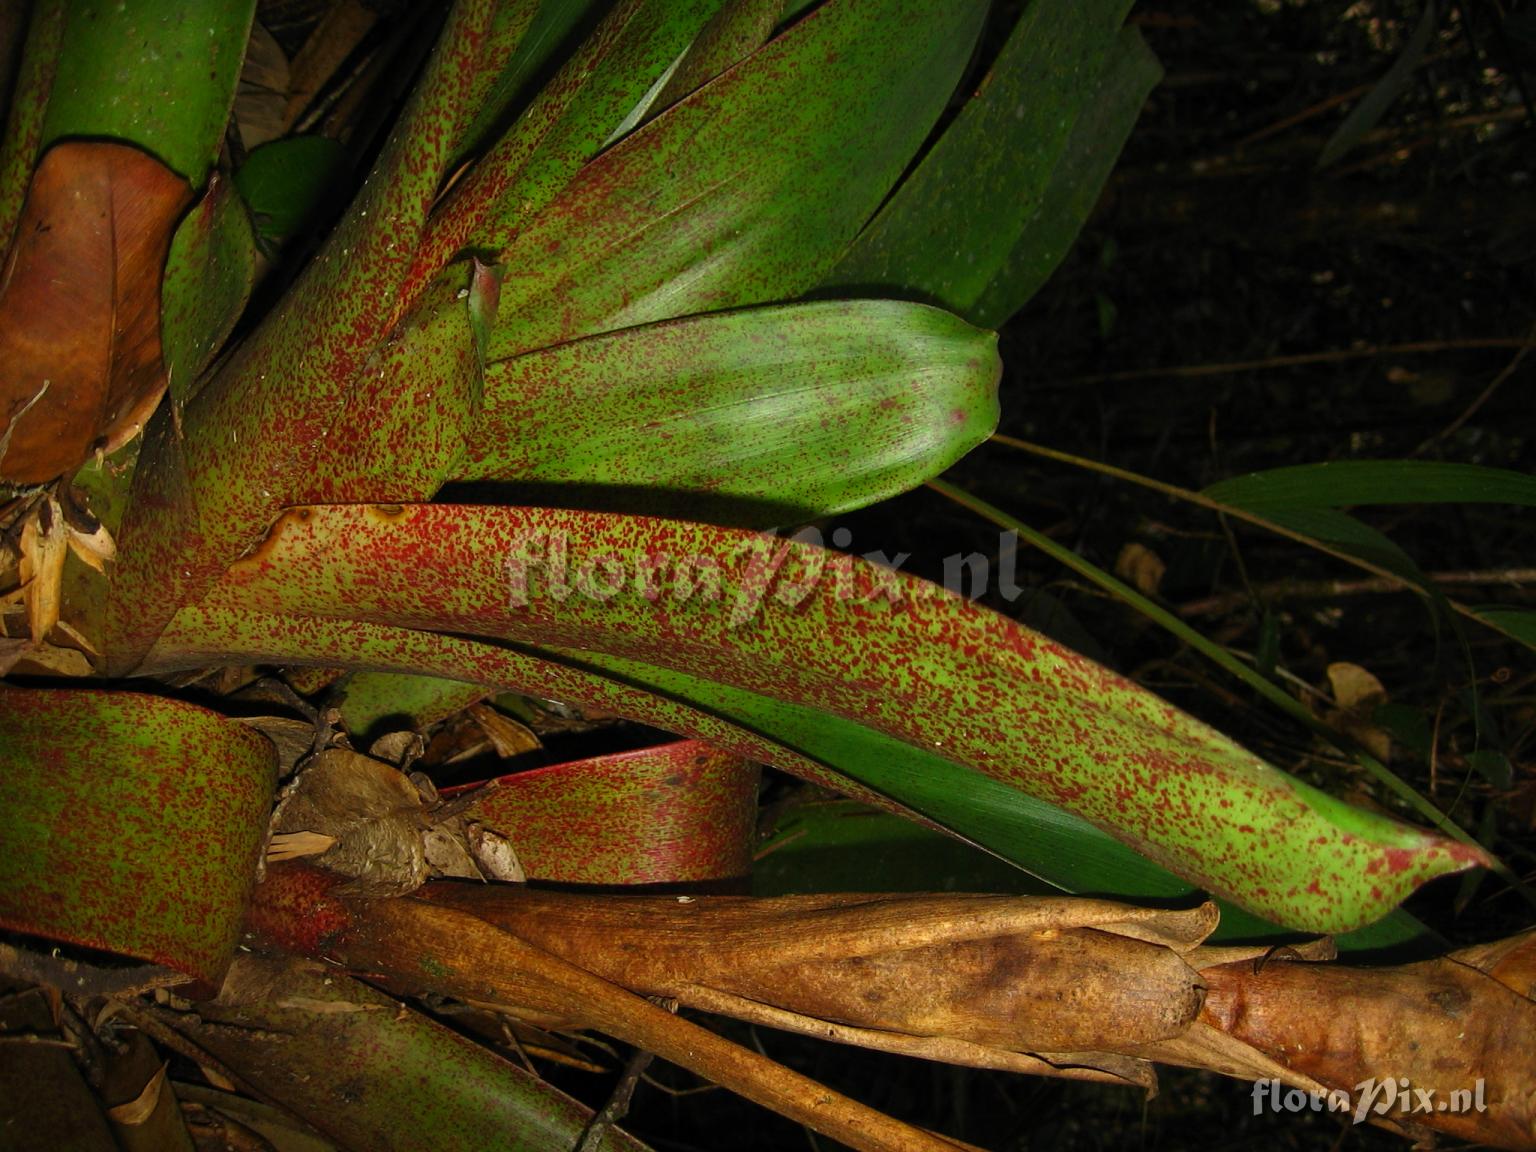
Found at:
(80, 306)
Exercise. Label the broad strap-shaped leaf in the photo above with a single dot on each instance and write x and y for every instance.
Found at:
(746, 191)
(28, 107)
(412, 1085)
(843, 755)
(797, 623)
(948, 231)
(803, 410)
(132, 824)
(674, 814)
(80, 306)
(159, 76)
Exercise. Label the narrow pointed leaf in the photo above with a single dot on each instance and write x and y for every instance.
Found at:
(843, 755)
(1518, 623)
(290, 1028)
(1346, 482)
(947, 232)
(747, 190)
(132, 824)
(837, 634)
(807, 410)
(1365, 115)
(161, 76)
(674, 814)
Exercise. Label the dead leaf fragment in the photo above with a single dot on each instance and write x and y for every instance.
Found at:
(80, 306)
(1141, 566)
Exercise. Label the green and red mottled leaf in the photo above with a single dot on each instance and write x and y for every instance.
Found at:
(947, 233)
(843, 755)
(796, 623)
(566, 125)
(28, 106)
(203, 492)
(80, 306)
(765, 416)
(746, 191)
(294, 1030)
(131, 823)
(673, 814)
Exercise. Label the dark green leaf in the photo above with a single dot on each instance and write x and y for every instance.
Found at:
(1347, 482)
(1373, 107)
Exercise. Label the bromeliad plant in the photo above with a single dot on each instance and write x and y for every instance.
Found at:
(693, 287)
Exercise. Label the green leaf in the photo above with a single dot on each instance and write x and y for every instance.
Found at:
(132, 824)
(367, 699)
(209, 274)
(161, 76)
(1518, 623)
(568, 123)
(1373, 107)
(1098, 135)
(947, 233)
(677, 813)
(412, 1085)
(844, 637)
(1347, 482)
(289, 182)
(800, 411)
(747, 190)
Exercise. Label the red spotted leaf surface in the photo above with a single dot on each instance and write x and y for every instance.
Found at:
(677, 813)
(908, 660)
(131, 823)
(80, 306)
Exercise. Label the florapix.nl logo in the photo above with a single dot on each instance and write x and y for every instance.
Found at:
(1387, 1096)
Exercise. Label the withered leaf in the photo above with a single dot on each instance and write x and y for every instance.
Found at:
(80, 306)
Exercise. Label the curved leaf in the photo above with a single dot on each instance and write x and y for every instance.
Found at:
(947, 233)
(747, 190)
(810, 409)
(795, 622)
(132, 824)
(843, 755)
(677, 813)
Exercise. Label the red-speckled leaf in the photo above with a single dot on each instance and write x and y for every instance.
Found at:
(131, 823)
(569, 122)
(765, 416)
(204, 493)
(673, 814)
(295, 1030)
(746, 191)
(80, 306)
(843, 755)
(790, 621)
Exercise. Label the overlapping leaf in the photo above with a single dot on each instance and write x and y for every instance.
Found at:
(746, 191)
(793, 622)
